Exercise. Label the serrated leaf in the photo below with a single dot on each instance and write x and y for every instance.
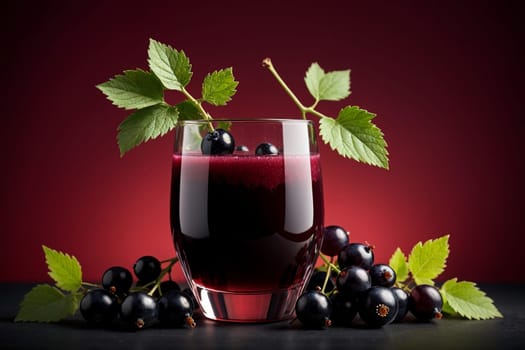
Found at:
(353, 135)
(133, 89)
(145, 124)
(331, 86)
(398, 262)
(219, 86)
(45, 303)
(468, 300)
(188, 111)
(172, 67)
(313, 77)
(64, 269)
(428, 260)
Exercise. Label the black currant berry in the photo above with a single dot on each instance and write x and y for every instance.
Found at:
(344, 309)
(168, 286)
(99, 307)
(313, 309)
(425, 302)
(138, 310)
(378, 306)
(402, 303)
(117, 280)
(187, 292)
(242, 148)
(356, 254)
(175, 310)
(266, 149)
(219, 142)
(382, 275)
(147, 269)
(317, 282)
(353, 281)
(335, 238)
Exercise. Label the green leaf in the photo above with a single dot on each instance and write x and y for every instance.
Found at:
(427, 260)
(145, 124)
(188, 111)
(332, 86)
(172, 67)
(64, 269)
(466, 299)
(398, 262)
(225, 125)
(133, 89)
(45, 303)
(353, 135)
(219, 86)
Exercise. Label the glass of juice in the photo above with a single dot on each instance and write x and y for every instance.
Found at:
(247, 225)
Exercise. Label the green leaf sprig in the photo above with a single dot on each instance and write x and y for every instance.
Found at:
(52, 303)
(426, 261)
(47, 303)
(352, 134)
(143, 91)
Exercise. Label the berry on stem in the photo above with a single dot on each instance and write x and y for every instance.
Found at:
(353, 281)
(344, 309)
(402, 303)
(382, 275)
(138, 310)
(356, 254)
(191, 297)
(147, 269)
(99, 307)
(117, 280)
(378, 306)
(425, 302)
(175, 310)
(313, 309)
(335, 238)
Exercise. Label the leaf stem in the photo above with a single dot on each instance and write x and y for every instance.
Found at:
(267, 63)
(198, 104)
(314, 112)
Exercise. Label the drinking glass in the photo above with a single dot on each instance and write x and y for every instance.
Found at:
(247, 227)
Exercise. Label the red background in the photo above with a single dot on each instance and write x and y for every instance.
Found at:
(445, 78)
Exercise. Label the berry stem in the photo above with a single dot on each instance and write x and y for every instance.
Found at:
(163, 273)
(168, 260)
(328, 274)
(329, 263)
(88, 284)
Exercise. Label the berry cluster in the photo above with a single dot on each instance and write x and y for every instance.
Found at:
(358, 286)
(150, 301)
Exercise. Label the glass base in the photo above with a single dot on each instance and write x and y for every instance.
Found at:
(248, 307)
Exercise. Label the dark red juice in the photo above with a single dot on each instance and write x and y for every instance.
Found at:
(247, 223)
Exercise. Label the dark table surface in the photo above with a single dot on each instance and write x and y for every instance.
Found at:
(448, 333)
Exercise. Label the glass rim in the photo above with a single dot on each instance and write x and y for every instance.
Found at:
(247, 120)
